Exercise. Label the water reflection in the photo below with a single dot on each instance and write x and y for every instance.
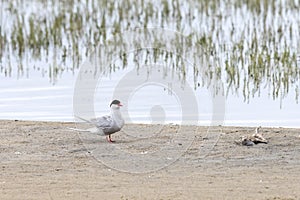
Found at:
(234, 46)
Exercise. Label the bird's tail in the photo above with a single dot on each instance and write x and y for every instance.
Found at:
(93, 130)
(78, 129)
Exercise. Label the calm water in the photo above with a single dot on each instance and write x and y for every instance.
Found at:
(37, 99)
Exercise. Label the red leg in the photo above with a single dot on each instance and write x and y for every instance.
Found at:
(109, 139)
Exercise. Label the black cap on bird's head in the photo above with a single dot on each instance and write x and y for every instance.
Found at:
(116, 102)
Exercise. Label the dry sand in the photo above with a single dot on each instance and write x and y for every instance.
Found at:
(44, 160)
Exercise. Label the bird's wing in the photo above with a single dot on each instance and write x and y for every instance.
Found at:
(99, 121)
(103, 122)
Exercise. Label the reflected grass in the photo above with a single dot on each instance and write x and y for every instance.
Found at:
(238, 45)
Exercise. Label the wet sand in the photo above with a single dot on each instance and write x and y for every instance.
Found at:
(45, 160)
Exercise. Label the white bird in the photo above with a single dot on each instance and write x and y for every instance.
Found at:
(106, 125)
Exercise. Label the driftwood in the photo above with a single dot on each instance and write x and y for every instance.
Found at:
(258, 138)
(253, 139)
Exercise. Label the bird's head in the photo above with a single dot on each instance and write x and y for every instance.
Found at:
(116, 104)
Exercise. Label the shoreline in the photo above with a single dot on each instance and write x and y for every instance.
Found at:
(168, 123)
(45, 160)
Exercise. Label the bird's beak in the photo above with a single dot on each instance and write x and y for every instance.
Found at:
(120, 104)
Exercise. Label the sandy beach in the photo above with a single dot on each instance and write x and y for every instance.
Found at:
(45, 160)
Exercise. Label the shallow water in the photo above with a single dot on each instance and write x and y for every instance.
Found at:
(38, 99)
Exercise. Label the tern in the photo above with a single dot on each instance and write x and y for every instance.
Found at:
(107, 124)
